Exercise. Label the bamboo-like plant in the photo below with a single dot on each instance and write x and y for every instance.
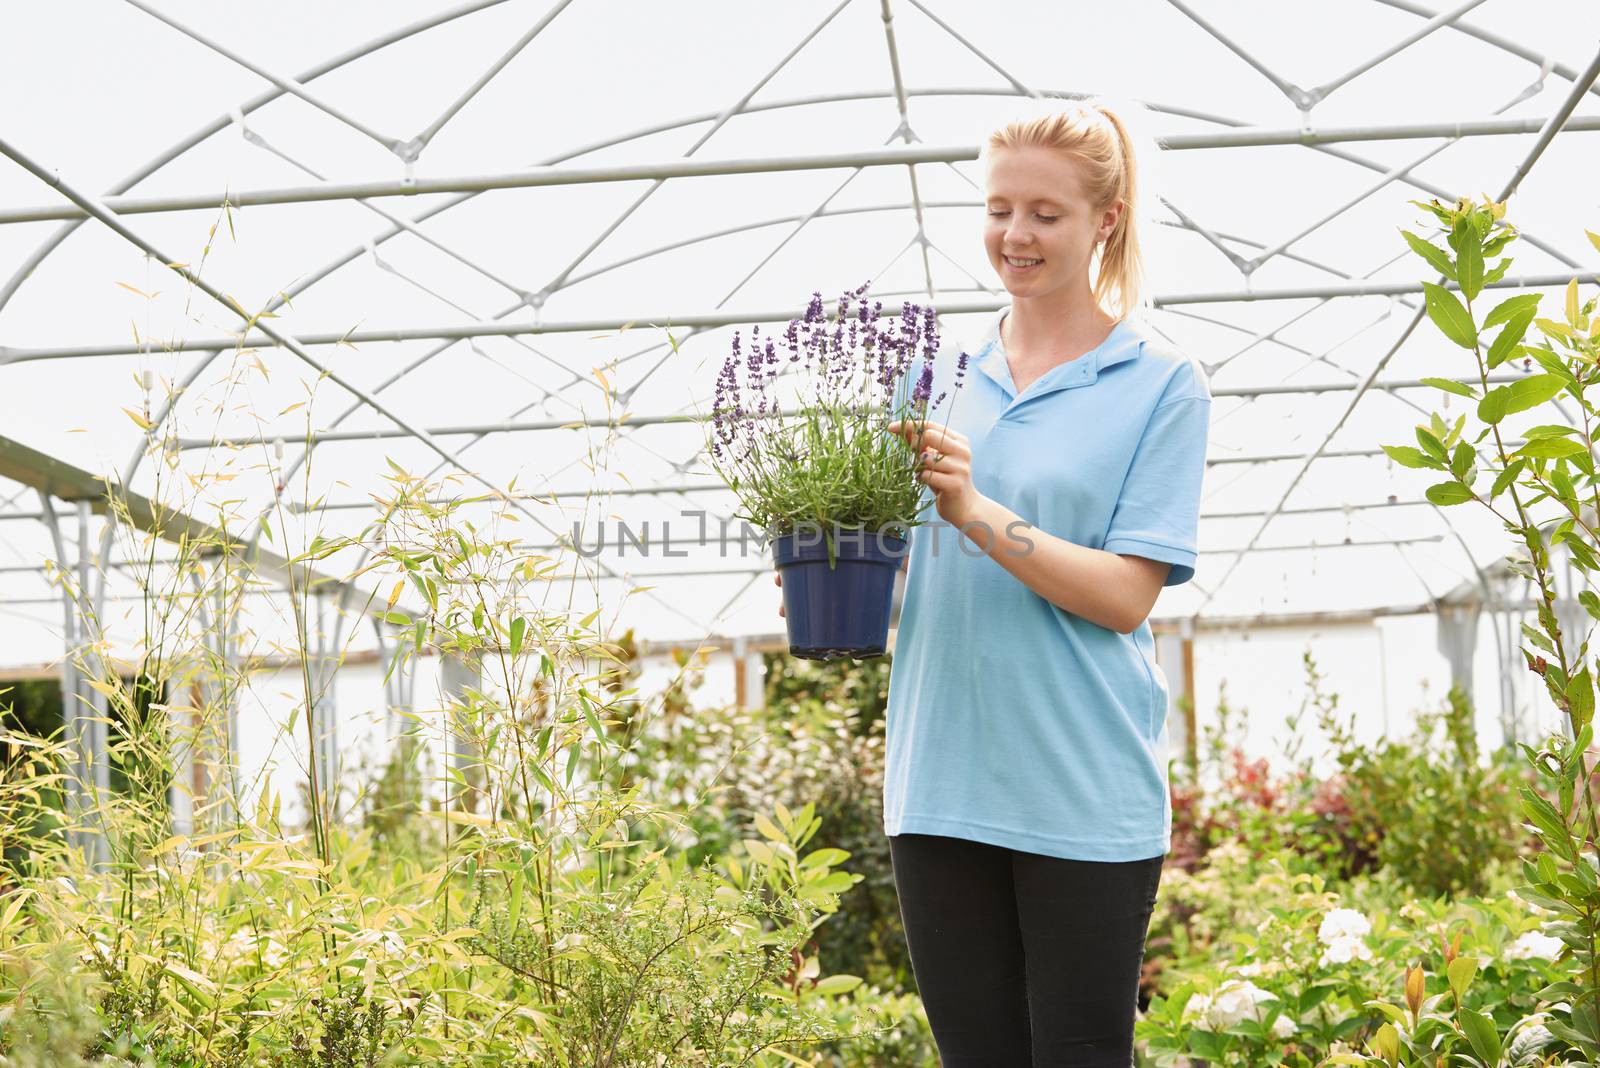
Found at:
(531, 915)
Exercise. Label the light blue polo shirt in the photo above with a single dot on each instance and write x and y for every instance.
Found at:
(1011, 721)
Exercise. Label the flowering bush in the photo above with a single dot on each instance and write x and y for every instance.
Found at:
(832, 461)
(1296, 970)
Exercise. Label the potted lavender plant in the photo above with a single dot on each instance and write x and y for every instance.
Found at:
(834, 492)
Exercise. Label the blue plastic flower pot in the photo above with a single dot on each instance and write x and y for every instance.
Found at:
(840, 610)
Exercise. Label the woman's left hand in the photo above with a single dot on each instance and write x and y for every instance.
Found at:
(946, 467)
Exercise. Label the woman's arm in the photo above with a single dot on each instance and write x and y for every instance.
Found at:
(1110, 589)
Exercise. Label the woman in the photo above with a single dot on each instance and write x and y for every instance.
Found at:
(1026, 784)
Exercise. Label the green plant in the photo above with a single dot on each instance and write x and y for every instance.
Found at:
(1434, 814)
(832, 463)
(811, 744)
(1293, 969)
(1554, 467)
(266, 933)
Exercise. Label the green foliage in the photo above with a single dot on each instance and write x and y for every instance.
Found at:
(1434, 813)
(818, 741)
(255, 938)
(1289, 968)
(1548, 497)
(811, 687)
(1426, 806)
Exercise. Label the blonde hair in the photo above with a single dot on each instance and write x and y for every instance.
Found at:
(1104, 142)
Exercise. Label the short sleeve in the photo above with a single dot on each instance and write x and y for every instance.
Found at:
(1158, 508)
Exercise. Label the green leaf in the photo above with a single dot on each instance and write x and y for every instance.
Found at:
(1512, 307)
(1432, 253)
(1438, 210)
(768, 829)
(1450, 385)
(1431, 444)
(836, 984)
(824, 858)
(1589, 601)
(1563, 484)
(1469, 269)
(519, 627)
(1539, 639)
(1506, 342)
(1406, 456)
(1555, 329)
(572, 763)
(1505, 477)
(1498, 273)
(1448, 493)
(1462, 459)
(1483, 1035)
(1519, 396)
(1450, 316)
(1551, 448)
(1542, 814)
(1461, 972)
(1495, 244)
(1580, 698)
(1394, 1012)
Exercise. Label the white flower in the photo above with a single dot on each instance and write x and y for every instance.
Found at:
(1343, 951)
(1411, 911)
(1251, 970)
(1342, 923)
(1233, 1001)
(1534, 944)
(1283, 1027)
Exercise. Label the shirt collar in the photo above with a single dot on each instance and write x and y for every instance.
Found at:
(1122, 344)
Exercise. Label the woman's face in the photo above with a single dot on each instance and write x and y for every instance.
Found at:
(1036, 211)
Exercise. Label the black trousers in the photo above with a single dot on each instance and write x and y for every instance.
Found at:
(1024, 960)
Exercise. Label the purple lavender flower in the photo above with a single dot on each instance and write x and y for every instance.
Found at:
(924, 387)
(858, 348)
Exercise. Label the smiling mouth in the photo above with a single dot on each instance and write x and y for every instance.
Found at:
(1021, 264)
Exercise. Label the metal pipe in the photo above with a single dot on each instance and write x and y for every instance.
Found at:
(704, 320)
(532, 177)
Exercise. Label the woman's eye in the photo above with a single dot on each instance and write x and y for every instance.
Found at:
(1046, 218)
